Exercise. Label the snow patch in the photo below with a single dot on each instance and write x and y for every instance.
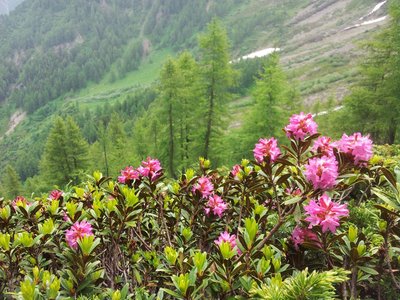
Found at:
(325, 112)
(366, 23)
(375, 9)
(259, 53)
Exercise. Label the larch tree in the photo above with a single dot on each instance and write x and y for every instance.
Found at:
(169, 89)
(270, 95)
(188, 110)
(10, 185)
(217, 78)
(66, 153)
(270, 110)
(120, 154)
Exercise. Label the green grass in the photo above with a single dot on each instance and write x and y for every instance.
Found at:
(106, 91)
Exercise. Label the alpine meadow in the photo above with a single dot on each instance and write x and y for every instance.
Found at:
(200, 149)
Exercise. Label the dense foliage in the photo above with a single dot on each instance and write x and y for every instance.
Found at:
(308, 221)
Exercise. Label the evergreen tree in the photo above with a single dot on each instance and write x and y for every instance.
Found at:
(270, 95)
(217, 77)
(100, 150)
(271, 108)
(147, 133)
(120, 153)
(66, 153)
(189, 113)
(169, 89)
(10, 183)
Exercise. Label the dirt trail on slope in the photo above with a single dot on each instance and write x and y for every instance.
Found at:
(15, 119)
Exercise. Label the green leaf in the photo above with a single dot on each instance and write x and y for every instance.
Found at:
(368, 270)
(172, 293)
(384, 198)
(389, 176)
(292, 201)
(251, 227)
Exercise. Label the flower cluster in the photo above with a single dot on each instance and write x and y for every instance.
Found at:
(358, 146)
(150, 168)
(215, 205)
(228, 238)
(129, 173)
(236, 170)
(203, 186)
(323, 145)
(20, 201)
(301, 235)
(300, 126)
(295, 192)
(266, 148)
(55, 195)
(325, 213)
(77, 232)
(322, 172)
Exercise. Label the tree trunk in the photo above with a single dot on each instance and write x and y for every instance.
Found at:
(392, 132)
(105, 157)
(171, 142)
(209, 120)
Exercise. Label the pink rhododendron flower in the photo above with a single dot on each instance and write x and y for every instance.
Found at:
(55, 194)
(236, 170)
(226, 237)
(216, 205)
(77, 232)
(204, 186)
(293, 191)
(300, 126)
(301, 235)
(325, 213)
(322, 172)
(360, 147)
(266, 148)
(150, 168)
(65, 217)
(323, 145)
(20, 201)
(129, 173)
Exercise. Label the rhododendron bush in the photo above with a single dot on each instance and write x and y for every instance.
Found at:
(315, 219)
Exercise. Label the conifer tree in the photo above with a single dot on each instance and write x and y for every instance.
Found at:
(120, 154)
(10, 183)
(66, 153)
(169, 89)
(217, 77)
(270, 95)
(189, 112)
(100, 150)
(268, 114)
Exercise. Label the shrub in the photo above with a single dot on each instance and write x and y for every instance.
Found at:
(293, 224)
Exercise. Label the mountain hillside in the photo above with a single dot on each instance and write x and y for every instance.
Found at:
(58, 55)
(69, 43)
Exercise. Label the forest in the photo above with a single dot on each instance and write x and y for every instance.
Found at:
(186, 113)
